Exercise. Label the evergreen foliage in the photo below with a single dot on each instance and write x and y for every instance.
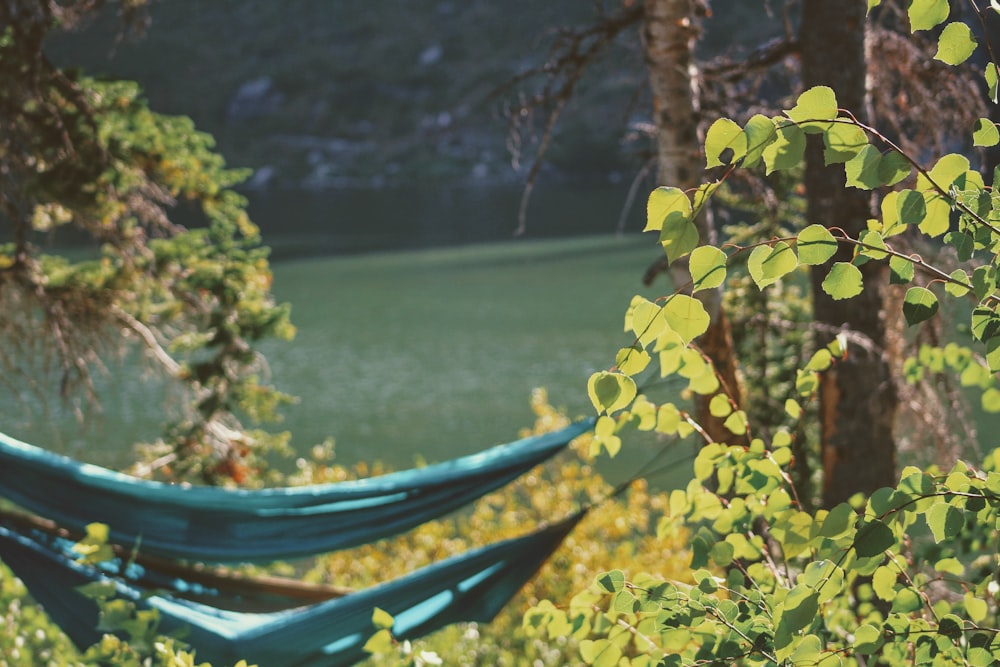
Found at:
(86, 161)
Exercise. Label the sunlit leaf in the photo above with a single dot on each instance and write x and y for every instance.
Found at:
(938, 215)
(800, 608)
(843, 141)
(945, 521)
(985, 133)
(950, 169)
(863, 169)
(843, 282)
(647, 320)
(911, 207)
(955, 44)
(926, 14)
(819, 103)
(992, 80)
(767, 265)
(867, 639)
(610, 392)
(382, 619)
(678, 237)
(874, 246)
(816, 245)
(687, 316)
(893, 168)
(632, 360)
(720, 406)
(787, 151)
(901, 270)
(665, 202)
(961, 285)
(760, 133)
(725, 143)
(379, 643)
(708, 267)
(612, 581)
(919, 304)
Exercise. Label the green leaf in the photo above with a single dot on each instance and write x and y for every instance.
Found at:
(816, 245)
(961, 286)
(708, 267)
(975, 607)
(646, 320)
(985, 133)
(725, 143)
(993, 354)
(760, 133)
(632, 360)
(945, 520)
(901, 270)
(863, 169)
(665, 202)
(800, 608)
(873, 538)
(768, 265)
(600, 652)
(884, 583)
(678, 237)
(963, 243)
(810, 651)
(874, 247)
(838, 521)
(907, 601)
(911, 207)
(720, 406)
(819, 103)
(893, 168)
(867, 639)
(686, 316)
(951, 566)
(843, 282)
(947, 171)
(992, 81)
(787, 151)
(938, 217)
(955, 44)
(610, 392)
(919, 304)
(927, 14)
(612, 581)
(736, 423)
(382, 619)
(843, 141)
(379, 643)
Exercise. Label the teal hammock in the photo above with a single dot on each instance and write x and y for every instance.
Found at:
(470, 587)
(215, 525)
(206, 524)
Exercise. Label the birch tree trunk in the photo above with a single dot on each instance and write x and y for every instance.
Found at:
(670, 31)
(857, 397)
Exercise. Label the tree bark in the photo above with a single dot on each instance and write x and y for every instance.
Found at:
(670, 31)
(857, 398)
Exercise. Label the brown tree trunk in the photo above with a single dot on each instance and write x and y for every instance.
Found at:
(670, 30)
(857, 397)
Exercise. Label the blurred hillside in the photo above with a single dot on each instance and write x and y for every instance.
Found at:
(324, 94)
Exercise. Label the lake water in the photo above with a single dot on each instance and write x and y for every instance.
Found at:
(427, 353)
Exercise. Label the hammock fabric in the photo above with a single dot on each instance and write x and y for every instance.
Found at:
(471, 587)
(210, 524)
